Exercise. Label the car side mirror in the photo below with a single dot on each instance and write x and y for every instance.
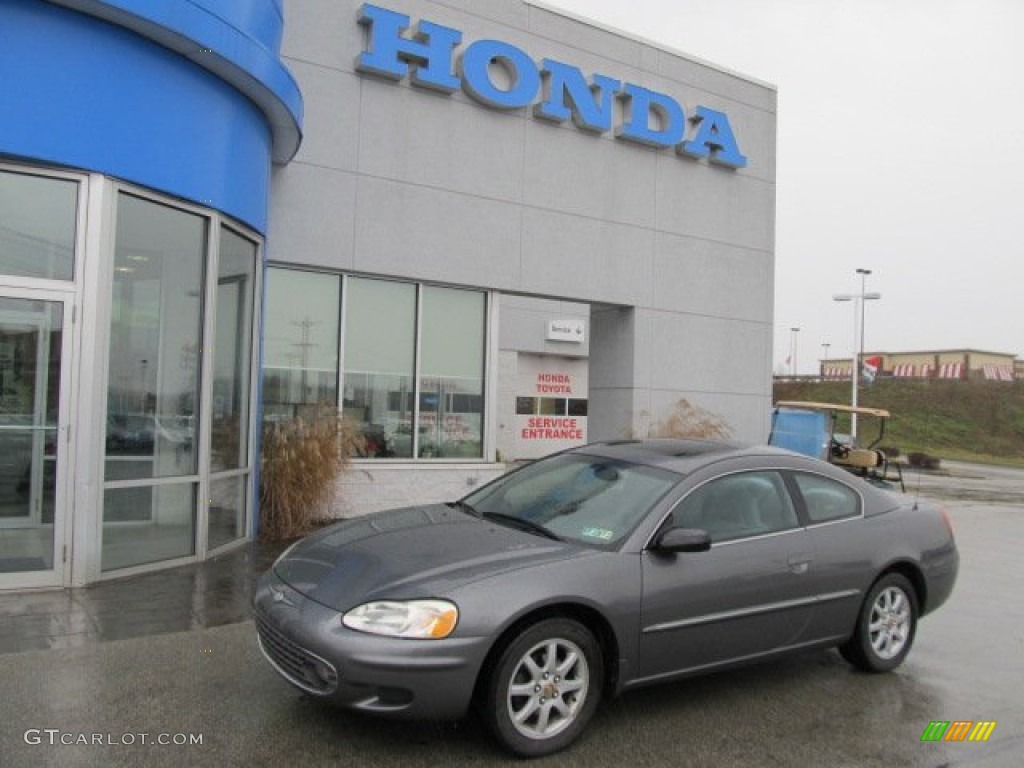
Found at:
(683, 540)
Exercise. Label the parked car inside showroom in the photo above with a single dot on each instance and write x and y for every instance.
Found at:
(598, 570)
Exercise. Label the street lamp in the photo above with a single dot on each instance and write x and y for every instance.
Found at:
(824, 356)
(792, 349)
(858, 300)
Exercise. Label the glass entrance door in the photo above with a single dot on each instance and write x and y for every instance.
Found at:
(32, 439)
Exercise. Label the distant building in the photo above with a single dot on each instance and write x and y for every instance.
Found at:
(962, 364)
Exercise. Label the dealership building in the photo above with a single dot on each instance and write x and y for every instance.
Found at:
(482, 230)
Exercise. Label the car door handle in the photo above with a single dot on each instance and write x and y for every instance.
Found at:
(799, 563)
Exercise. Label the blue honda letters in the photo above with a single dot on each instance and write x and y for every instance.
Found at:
(646, 117)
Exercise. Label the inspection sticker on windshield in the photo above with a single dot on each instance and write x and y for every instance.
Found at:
(598, 533)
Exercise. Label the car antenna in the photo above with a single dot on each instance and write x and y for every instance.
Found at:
(927, 432)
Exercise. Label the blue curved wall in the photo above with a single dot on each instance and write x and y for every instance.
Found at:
(184, 96)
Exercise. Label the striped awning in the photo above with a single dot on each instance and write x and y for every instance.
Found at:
(998, 372)
(951, 371)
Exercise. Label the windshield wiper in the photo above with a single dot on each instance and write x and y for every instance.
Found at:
(521, 524)
(465, 506)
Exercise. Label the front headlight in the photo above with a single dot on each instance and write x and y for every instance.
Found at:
(423, 619)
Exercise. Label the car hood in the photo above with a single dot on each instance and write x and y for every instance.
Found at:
(415, 552)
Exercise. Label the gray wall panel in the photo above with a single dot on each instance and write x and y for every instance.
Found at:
(547, 25)
(715, 204)
(576, 172)
(707, 278)
(716, 80)
(500, 11)
(431, 234)
(322, 32)
(332, 106)
(620, 348)
(708, 354)
(586, 259)
(312, 216)
(426, 138)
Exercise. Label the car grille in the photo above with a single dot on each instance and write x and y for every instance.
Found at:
(306, 670)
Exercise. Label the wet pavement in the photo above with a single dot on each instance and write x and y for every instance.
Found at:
(209, 594)
(131, 678)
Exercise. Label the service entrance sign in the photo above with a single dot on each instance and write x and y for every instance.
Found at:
(551, 404)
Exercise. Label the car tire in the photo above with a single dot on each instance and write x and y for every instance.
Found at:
(544, 687)
(885, 627)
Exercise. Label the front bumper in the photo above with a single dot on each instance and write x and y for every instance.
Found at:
(309, 646)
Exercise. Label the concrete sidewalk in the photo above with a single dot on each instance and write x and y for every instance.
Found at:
(207, 594)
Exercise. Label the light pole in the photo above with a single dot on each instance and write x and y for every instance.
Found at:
(858, 300)
(824, 356)
(792, 349)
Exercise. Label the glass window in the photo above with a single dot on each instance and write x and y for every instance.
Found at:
(231, 352)
(577, 407)
(526, 406)
(169, 514)
(827, 499)
(552, 406)
(37, 226)
(227, 510)
(738, 506)
(300, 349)
(452, 376)
(398, 414)
(380, 355)
(155, 338)
(162, 277)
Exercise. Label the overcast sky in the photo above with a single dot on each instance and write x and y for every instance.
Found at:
(900, 150)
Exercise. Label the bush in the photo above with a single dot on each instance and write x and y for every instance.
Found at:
(690, 421)
(300, 463)
(923, 461)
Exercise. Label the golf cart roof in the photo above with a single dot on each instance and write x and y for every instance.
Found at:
(806, 406)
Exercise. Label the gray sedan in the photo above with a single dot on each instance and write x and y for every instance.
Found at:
(598, 570)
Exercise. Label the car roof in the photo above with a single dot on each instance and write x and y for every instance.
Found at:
(675, 454)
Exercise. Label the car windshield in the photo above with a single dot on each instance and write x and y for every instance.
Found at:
(586, 499)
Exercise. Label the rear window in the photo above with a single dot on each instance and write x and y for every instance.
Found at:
(826, 499)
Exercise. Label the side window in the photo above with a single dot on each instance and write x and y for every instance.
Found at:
(827, 499)
(738, 506)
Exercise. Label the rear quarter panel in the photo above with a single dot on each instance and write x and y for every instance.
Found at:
(926, 527)
(851, 555)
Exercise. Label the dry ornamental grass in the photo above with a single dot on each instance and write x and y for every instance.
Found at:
(301, 461)
(690, 421)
